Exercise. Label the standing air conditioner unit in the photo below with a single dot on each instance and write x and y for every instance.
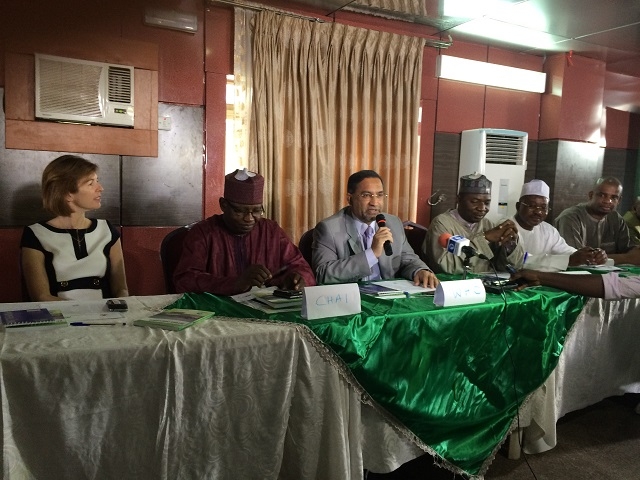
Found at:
(70, 90)
(501, 155)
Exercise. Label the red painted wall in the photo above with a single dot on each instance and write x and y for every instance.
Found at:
(572, 107)
(429, 94)
(218, 64)
(181, 53)
(552, 98)
(622, 129)
(465, 106)
(622, 102)
(622, 92)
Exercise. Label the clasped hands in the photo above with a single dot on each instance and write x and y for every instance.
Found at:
(504, 233)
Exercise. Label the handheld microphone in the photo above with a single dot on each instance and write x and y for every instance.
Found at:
(382, 222)
(459, 246)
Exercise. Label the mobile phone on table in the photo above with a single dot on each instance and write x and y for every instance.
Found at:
(498, 285)
(287, 293)
(117, 305)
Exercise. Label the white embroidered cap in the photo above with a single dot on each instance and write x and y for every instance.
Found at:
(535, 187)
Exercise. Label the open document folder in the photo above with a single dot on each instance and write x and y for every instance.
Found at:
(395, 289)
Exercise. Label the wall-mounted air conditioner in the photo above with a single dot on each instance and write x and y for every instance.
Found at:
(70, 90)
(501, 155)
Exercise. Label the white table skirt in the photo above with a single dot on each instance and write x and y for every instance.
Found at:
(601, 358)
(226, 399)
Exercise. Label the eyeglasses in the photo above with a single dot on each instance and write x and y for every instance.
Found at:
(369, 195)
(537, 208)
(243, 212)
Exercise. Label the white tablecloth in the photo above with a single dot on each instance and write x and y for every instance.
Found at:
(226, 399)
(601, 358)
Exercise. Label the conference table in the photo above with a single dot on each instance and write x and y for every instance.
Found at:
(251, 395)
(600, 359)
(229, 398)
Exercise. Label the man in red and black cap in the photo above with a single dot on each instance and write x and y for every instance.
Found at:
(230, 253)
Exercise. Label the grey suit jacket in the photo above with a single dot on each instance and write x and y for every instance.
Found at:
(338, 256)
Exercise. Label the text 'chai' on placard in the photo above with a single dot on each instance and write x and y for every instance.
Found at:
(330, 301)
(459, 292)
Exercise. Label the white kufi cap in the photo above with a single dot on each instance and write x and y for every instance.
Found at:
(535, 187)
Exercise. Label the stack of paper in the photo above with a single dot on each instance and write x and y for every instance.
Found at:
(174, 319)
(395, 289)
(264, 300)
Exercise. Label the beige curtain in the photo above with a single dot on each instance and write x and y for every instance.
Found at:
(242, 89)
(329, 100)
(411, 7)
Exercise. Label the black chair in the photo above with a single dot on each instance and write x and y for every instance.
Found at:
(170, 251)
(306, 240)
(415, 234)
(23, 281)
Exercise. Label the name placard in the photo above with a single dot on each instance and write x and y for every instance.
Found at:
(330, 301)
(459, 292)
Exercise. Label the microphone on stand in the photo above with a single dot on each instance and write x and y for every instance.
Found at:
(459, 246)
(382, 222)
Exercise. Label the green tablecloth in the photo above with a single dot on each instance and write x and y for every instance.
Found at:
(454, 376)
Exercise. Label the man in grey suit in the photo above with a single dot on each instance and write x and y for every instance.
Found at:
(349, 246)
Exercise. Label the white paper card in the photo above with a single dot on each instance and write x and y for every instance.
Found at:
(330, 301)
(404, 286)
(459, 292)
(546, 262)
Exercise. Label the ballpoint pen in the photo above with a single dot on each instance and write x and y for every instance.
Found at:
(96, 324)
(282, 269)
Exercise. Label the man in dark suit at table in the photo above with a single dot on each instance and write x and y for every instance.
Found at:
(349, 246)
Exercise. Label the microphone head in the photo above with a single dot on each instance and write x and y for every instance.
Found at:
(444, 239)
(380, 220)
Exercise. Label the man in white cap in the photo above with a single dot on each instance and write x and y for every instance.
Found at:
(497, 242)
(544, 246)
(230, 253)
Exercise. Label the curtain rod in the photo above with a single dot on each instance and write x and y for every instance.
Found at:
(260, 8)
(429, 42)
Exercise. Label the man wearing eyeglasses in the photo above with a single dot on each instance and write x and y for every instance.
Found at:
(597, 224)
(545, 247)
(349, 246)
(230, 253)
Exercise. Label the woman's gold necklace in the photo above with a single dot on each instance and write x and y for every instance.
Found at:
(77, 238)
